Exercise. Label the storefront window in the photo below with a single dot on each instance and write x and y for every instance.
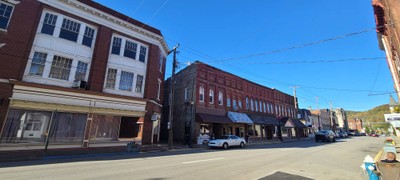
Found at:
(204, 129)
(26, 126)
(105, 128)
(257, 131)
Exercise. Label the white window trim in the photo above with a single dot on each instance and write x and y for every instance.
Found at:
(122, 50)
(9, 3)
(220, 98)
(211, 96)
(58, 25)
(201, 92)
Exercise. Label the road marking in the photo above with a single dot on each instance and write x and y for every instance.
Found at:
(204, 160)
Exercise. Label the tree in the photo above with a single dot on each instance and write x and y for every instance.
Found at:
(367, 130)
(397, 109)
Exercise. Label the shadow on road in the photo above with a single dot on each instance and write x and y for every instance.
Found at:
(123, 156)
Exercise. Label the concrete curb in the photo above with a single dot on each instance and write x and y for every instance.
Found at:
(378, 156)
(88, 155)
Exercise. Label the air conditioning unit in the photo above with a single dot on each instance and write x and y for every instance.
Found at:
(79, 84)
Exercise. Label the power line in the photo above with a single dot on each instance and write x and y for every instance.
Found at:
(300, 46)
(318, 61)
(159, 9)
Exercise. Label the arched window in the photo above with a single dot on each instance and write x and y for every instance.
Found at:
(228, 101)
(240, 103)
(220, 98)
(265, 107)
(211, 95)
(252, 104)
(234, 105)
(261, 106)
(201, 94)
(256, 105)
(247, 104)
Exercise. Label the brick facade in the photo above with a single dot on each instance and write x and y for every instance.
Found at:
(20, 36)
(386, 14)
(233, 88)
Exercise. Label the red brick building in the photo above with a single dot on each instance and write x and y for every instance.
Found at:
(387, 18)
(77, 73)
(356, 125)
(211, 102)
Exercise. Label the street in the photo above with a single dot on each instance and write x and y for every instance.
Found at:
(308, 159)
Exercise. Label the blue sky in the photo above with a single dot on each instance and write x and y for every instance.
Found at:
(327, 48)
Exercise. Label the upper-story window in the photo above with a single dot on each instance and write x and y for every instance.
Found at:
(261, 106)
(211, 96)
(5, 14)
(60, 68)
(139, 83)
(247, 104)
(186, 94)
(126, 81)
(142, 54)
(252, 104)
(240, 103)
(256, 104)
(38, 64)
(201, 94)
(49, 24)
(234, 102)
(220, 98)
(88, 37)
(265, 107)
(81, 70)
(70, 30)
(228, 101)
(111, 78)
(116, 46)
(130, 50)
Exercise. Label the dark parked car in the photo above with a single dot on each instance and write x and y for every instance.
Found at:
(342, 134)
(325, 135)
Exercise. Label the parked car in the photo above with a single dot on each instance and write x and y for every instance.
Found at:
(342, 134)
(352, 133)
(374, 135)
(227, 141)
(325, 135)
(345, 133)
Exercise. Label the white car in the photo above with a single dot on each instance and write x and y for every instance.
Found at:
(227, 141)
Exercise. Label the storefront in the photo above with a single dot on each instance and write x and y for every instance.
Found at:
(264, 127)
(39, 116)
(293, 128)
(241, 123)
(212, 126)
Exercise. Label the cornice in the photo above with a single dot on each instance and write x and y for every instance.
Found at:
(104, 18)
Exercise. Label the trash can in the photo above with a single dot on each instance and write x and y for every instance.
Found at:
(132, 147)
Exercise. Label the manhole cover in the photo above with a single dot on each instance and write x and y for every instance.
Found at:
(284, 176)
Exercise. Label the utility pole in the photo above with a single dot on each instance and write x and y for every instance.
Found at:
(331, 113)
(295, 100)
(319, 113)
(296, 110)
(171, 100)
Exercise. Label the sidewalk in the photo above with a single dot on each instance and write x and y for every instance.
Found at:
(54, 153)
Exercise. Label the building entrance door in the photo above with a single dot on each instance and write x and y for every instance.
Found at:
(129, 127)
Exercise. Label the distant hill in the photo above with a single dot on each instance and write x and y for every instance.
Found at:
(372, 115)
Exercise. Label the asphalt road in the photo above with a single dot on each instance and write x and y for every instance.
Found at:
(304, 159)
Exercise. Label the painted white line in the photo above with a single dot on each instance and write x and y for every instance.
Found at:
(204, 160)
